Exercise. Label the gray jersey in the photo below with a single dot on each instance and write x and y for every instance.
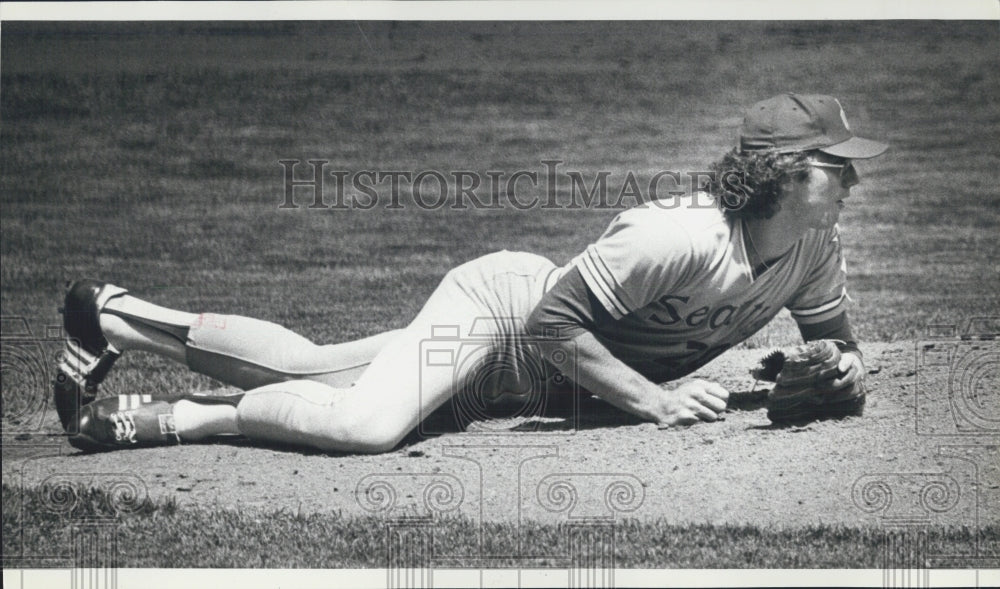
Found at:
(679, 284)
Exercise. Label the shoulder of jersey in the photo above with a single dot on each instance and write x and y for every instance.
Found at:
(697, 215)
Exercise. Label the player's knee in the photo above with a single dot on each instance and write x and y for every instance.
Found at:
(351, 427)
(375, 432)
(377, 442)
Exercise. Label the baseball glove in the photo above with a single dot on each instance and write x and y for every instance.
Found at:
(797, 374)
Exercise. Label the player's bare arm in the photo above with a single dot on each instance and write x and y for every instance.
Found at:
(613, 381)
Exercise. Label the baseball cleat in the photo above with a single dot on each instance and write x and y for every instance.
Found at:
(133, 421)
(125, 421)
(87, 357)
(82, 310)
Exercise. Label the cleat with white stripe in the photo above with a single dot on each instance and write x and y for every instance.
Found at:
(85, 299)
(125, 421)
(133, 421)
(87, 357)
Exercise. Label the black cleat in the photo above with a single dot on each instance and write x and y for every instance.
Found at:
(125, 421)
(88, 356)
(134, 421)
(82, 310)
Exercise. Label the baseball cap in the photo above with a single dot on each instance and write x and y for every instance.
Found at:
(802, 122)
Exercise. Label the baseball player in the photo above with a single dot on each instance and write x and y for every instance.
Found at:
(661, 293)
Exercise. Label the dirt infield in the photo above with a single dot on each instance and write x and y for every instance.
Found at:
(598, 462)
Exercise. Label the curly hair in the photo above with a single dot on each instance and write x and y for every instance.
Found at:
(748, 184)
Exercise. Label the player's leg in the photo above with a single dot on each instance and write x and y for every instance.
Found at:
(373, 416)
(239, 351)
(103, 321)
(396, 390)
(390, 397)
(476, 302)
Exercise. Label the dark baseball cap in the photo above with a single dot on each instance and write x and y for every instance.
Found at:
(803, 122)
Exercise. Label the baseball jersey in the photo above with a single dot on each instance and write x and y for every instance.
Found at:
(679, 283)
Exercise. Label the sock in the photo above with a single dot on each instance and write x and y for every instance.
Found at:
(138, 313)
(196, 421)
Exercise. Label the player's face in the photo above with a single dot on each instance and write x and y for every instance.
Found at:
(819, 199)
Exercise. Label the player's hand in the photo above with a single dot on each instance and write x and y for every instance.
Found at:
(850, 370)
(691, 402)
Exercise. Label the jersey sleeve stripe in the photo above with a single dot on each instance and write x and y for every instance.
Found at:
(601, 285)
(821, 307)
(821, 317)
(603, 290)
(618, 296)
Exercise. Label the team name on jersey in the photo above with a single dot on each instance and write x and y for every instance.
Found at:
(668, 314)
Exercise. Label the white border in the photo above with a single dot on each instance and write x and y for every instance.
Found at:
(506, 10)
(501, 10)
(376, 578)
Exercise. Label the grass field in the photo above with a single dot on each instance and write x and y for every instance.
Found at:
(158, 534)
(147, 155)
